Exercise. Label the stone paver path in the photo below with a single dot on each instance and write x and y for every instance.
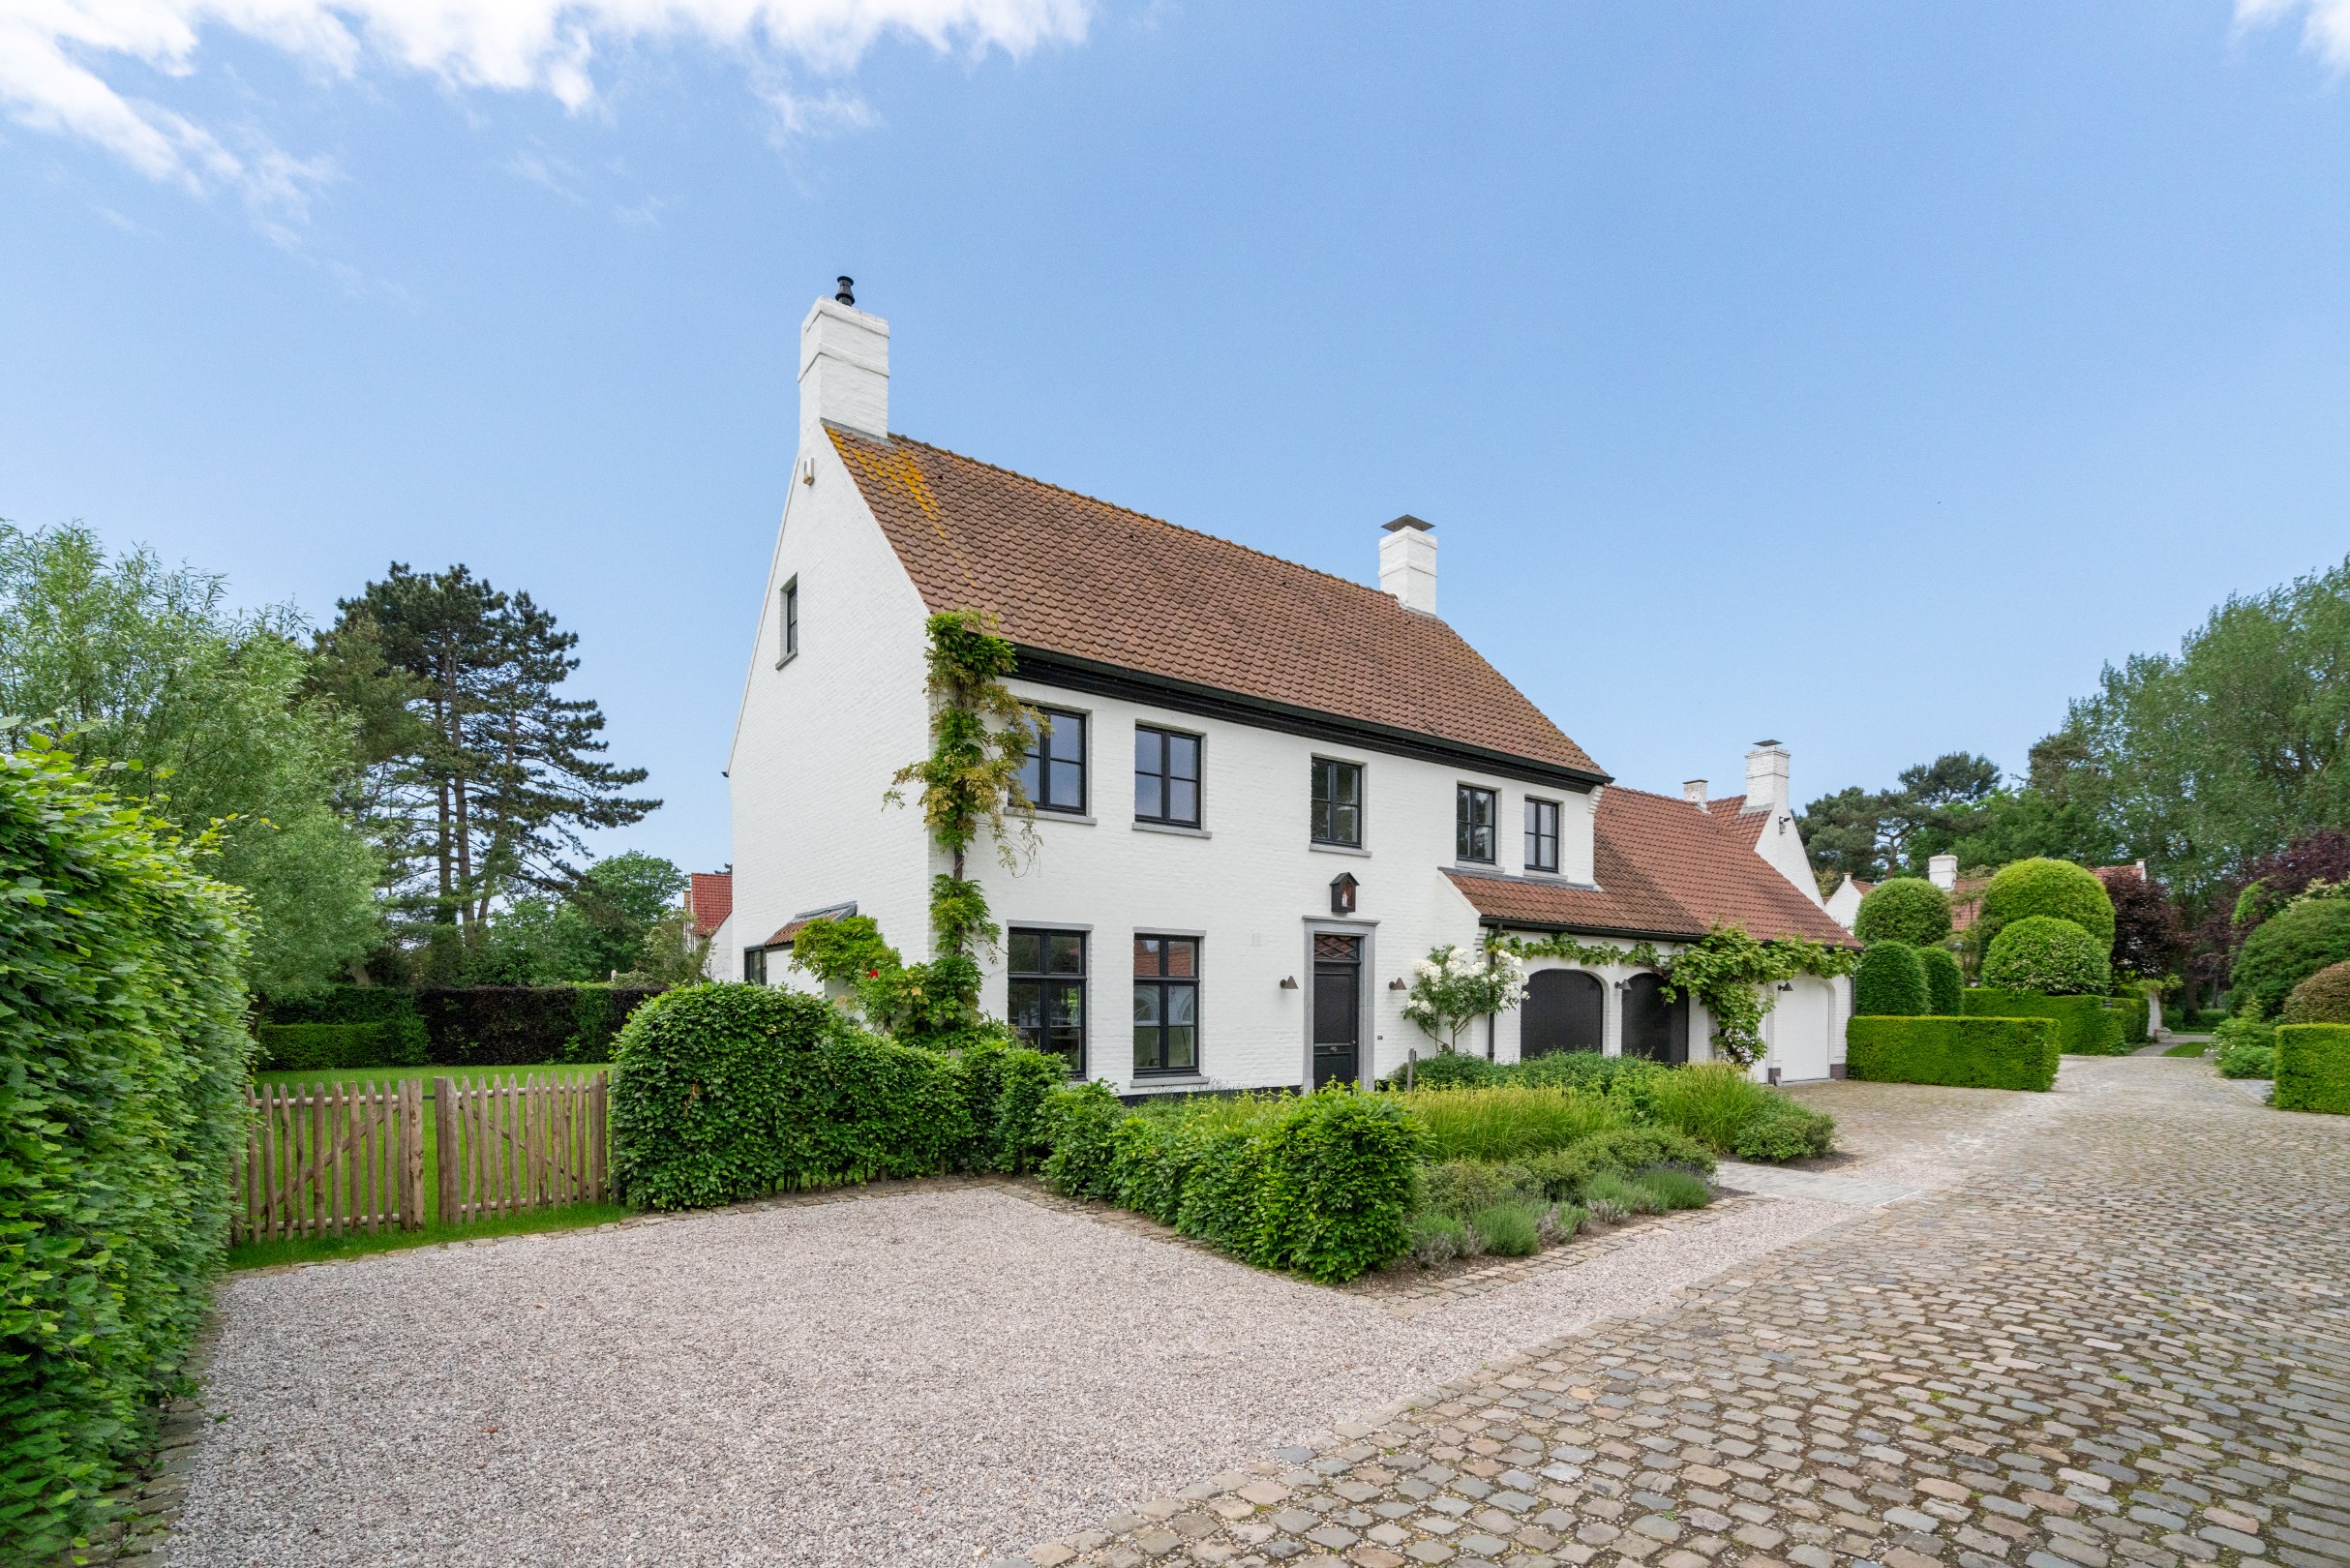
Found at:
(2122, 1337)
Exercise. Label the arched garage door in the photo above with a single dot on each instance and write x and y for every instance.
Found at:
(1563, 1012)
(1653, 1027)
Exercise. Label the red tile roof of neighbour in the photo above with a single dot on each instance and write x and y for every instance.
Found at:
(1664, 868)
(1067, 575)
(709, 898)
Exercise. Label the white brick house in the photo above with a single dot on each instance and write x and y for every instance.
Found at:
(1265, 791)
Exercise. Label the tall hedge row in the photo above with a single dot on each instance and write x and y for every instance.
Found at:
(1978, 1053)
(721, 1092)
(122, 1063)
(2313, 1067)
(2084, 1025)
(468, 1025)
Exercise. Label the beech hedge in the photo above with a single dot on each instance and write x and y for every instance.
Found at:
(2084, 1025)
(472, 1025)
(2313, 1067)
(123, 1059)
(1977, 1053)
(314, 1045)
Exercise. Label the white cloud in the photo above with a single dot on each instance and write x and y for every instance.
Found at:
(2325, 31)
(56, 57)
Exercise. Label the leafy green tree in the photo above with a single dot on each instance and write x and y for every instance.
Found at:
(211, 717)
(1876, 834)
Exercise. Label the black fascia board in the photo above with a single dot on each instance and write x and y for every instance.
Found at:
(1070, 674)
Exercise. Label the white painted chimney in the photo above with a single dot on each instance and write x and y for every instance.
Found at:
(1408, 564)
(844, 368)
(1766, 777)
(1942, 870)
(1693, 791)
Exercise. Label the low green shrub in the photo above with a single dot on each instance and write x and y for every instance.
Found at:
(1509, 1229)
(1783, 1130)
(317, 1046)
(2042, 887)
(2245, 1045)
(2287, 949)
(1615, 1190)
(2084, 1025)
(1449, 1070)
(1676, 1188)
(1903, 909)
(1003, 1087)
(2313, 1067)
(2249, 1062)
(1080, 1124)
(1461, 1187)
(123, 1061)
(1944, 982)
(2323, 998)
(1505, 1121)
(1437, 1238)
(1560, 1222)
(2044, 954)
(1972, 1052)
(1889, 982)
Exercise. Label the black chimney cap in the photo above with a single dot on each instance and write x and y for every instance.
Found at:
(848, 289)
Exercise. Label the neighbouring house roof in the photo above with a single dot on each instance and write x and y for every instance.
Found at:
(790, 930)
(1664, 868)
(1079, 580)
(709, 898)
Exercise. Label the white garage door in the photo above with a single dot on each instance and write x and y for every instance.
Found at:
(1800, 1029)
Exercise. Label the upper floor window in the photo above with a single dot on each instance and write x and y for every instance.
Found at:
(1473, 824)
(1166, 1004)
(1045, 992)
(1054, 771)
(1338, 803)
(1166, 777)
(791, 622)
(1541, 834)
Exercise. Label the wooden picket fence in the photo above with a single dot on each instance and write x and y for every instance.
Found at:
(326, 1159)
(529, 1143)
(332, 1159)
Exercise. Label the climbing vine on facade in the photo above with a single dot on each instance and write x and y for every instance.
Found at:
(1730, 972)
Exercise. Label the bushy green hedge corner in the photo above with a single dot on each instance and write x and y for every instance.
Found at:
(1005, 1086)
(1903, 909)
(2058, 889)
(2048, 955)
(1337, 1172)
(123, 1060)
(701, 1080)
(2313, 1067)
(2131, 1014)
(2323, 998)
(1891, 981)
(1978, 1053)
(1944, 982)
(1786, 1130)
(2286, 948)
(2084, 1025)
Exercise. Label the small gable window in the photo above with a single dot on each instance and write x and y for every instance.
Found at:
(1338, 803)
(790, 623)
(1473, 814)
(1541, 834)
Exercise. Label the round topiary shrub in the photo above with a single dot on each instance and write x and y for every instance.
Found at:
(1944, 981)
(2287, 949)
(2323, 998)
(2044, 954)
(1890, 983)
(2054, 887)
(1905, 908)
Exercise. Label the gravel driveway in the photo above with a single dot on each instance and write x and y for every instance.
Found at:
(918, 1378)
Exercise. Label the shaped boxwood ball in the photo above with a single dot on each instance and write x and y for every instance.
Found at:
(1905, 908)
(2052, 956)
(2043, 886)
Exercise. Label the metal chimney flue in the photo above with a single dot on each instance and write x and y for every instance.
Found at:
(846, 293)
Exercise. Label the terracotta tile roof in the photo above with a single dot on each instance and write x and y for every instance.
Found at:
(787, 930)
(1666, 868)
(1068, 575)
(1728, 808)
(709, 898)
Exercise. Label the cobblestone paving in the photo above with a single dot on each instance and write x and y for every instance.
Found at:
(2123, 1338)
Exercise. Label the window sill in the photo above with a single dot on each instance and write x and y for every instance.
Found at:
(787, 658)
(1166, 1082)
(1079, 819)
(1490, 867)
(1175, 828)
(1338, 849)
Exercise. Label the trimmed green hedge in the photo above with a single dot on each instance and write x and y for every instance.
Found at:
(2084, 1025)
(1320, 1182)
(1889, 981)
(319, 1045)
(123, 1058)
(1903, 909)
(1944, 983)
(2049, 956)
(1979, 1053)
(475, 1025)
(2313, 1067)
(2287, 949)
(2039, 885)
(2131, 1014)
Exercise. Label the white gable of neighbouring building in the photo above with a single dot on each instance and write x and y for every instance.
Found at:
(1264, 794)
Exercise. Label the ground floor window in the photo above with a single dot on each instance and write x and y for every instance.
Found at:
(1166, 1004)
(754, 965)
(1046, 993)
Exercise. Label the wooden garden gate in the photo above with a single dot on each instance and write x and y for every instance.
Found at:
(528, 1143)
(328, 1160)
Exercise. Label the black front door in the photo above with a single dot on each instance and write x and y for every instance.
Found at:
(1337, 1009)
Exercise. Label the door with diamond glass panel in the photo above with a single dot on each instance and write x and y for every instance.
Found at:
(1337, 1009)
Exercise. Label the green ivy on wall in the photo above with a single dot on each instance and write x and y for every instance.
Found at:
(1729, 971)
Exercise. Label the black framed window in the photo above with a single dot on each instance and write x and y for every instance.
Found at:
(754, 965)
(790, 617)
(1047, 992)
(1541, 834)
(1166, 777)
(1338, 803)
(1053, 772)
(1167, 1005)
(1473, 824)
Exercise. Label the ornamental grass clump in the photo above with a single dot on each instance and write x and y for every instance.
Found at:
(1676, 1188)
(1509, 1229)
(1504, 1123)
(1710, 1101)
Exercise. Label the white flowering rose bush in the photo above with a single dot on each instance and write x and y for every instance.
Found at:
(1453, 987)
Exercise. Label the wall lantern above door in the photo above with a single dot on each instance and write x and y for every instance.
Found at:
(1341, 893)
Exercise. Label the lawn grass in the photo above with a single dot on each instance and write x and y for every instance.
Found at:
(2190, 1047)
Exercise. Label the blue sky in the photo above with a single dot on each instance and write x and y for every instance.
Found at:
(1863, 376)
